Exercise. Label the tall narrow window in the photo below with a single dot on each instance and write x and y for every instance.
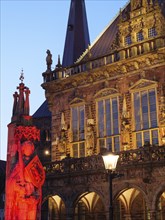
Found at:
(108, 124)
(145, 115)
(77, 125)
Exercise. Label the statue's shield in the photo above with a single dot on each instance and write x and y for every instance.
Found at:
(35, 172)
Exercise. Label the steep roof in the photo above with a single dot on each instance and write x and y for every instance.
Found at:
(103, 44)
(42, 111)
(77, 34)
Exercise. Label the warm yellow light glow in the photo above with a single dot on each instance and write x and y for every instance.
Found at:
(110, 161)
(46, 152)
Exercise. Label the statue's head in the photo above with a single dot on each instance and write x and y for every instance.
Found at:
(48, 51)
(27, 148)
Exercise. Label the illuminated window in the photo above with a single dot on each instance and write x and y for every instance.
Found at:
(145, 115)
(77, 125)
(128, 40)
(139, 36)
(152, 32)
(108, 124)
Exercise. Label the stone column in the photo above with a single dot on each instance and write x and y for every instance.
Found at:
(127, 216)
(152, 215)
(69, 213)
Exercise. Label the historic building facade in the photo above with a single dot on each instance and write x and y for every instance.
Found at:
(111, 98)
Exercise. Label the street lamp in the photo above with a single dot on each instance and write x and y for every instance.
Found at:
(110, 162)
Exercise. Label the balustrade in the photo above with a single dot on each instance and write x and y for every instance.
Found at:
(93, 164)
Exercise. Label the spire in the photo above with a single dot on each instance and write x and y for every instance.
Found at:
(21, 101)
(77, 35)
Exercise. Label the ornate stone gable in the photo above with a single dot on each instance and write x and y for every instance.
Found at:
(77, 101)
(143, 83)
(106, 92)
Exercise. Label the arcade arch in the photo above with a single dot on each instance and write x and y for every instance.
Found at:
(130, 205)
(53, 208)
(89, 206)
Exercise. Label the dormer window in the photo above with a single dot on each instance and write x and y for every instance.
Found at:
(152, 32)
(139, 36)
(128, 40)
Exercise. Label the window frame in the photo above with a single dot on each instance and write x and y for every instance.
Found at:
(79, 141)
(112, 136)
(139, 36)
(152, 32)
(142, 130)
(128, 40)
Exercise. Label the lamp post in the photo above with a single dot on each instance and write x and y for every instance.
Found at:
(110, 162)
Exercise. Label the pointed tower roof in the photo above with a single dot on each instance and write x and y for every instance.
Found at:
(77, 35)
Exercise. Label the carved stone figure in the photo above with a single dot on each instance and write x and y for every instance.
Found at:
(24, 185)
(90, 140)
(49, 59)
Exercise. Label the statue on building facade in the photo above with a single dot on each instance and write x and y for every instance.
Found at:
(49, 60)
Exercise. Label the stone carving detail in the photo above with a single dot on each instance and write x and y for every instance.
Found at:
(143, 83)
(90, 139)
(136, 4)
(125, 125)
(106, 92)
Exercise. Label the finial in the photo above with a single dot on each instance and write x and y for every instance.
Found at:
(21, 76)
(58, 63)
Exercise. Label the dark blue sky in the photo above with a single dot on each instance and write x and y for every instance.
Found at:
(28, 29)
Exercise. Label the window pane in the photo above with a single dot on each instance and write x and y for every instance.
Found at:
(109, 144)
(138, 140)
(75, 123)
(155, 137)
(75, 150)
(152, 32)
(81, 129)
(128, 40)
(116, 144)
(139, 36)
(145, 110)
(146, 137)
(82, 150)
(115, 116)
(102, 143)
(137, 111)
(108, 117)
(153, 113)
(101, 118)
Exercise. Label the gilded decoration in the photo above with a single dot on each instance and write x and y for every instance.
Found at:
(136, 4)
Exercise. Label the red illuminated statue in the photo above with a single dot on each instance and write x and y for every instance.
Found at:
(24, 185)
(24, 173)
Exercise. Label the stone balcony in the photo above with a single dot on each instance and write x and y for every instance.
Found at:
(143, 157)
(118, 54)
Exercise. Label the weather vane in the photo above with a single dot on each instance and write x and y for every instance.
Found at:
(21, 77)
